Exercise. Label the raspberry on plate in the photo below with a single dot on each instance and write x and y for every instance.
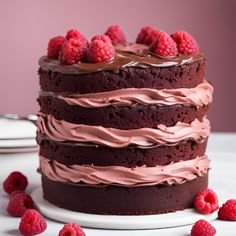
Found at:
(147, 35)
(19, 203)
(54, 46)
(73, 51)
(100, 50)
(164, 45)
(71, 229)
(228, 210)
(185, 42)
(75, 34)
(15, 181)
(206, 201)
(32, 223)
(203, 228)
(116, 34)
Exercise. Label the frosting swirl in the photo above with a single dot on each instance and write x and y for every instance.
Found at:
(199, 96)
(174, 173)
(60, 130)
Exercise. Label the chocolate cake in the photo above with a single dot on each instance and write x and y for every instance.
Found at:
(124, 136)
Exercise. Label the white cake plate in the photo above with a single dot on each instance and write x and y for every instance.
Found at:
(179, 218)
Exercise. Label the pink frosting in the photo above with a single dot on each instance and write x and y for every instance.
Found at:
(198, 96)
(60, 130)
(174, 173)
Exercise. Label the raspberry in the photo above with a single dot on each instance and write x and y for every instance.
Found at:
(54, 46)
(203, 228)
(164, 45)
(75, 34)
(228, 210)
(185, 42)
(14, 193)
(32, 223)
(147, 35)
(102, 37)
(99, 51)
(15, 181)
(71, 229)
(206, 201)
(73, 51)
(19, 203)
(116, 34)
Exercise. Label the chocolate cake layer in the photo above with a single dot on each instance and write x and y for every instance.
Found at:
(121, 117)
(70, 154)
(118, 200)
(182, 76)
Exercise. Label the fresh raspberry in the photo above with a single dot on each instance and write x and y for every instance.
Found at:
(75, 34)
(54, 46)
(206, 201)
(71, 229)
(100, 50)
(32, 223)
(147, 35)
(73, 51)
(228, 210)
(203, 228)
(164, 45)
(19, 203)
(116, 34)
(14, 193)
(102, 37)
(185, 42)
(15, 181)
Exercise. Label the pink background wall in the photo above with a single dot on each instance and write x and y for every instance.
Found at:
(27, 25)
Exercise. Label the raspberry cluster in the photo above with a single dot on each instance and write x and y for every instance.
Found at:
(163, 44)
(75, 48)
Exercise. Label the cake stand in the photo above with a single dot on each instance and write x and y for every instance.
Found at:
(178, 218)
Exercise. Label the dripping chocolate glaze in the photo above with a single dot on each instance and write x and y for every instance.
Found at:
(127, 55)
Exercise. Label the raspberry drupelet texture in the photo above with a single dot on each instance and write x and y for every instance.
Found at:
(164, 45)
(73, 33)
(206, 201)
(71, 229)
(147, 35)
(19, 203)
(15, 193)
(102, 37)
(185, 42)
(32, 223)
(203, 228)
(100, 50)
(116, 34)
(15, 181)
(228, 211)
(54, 46)
(73, 51)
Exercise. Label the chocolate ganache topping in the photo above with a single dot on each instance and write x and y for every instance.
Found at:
(127, 55)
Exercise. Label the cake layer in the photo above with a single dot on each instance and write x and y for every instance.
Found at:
(121, 117)
(60, 130)
(173, 173)
(186, 75)
(71, 153)
(118, 200)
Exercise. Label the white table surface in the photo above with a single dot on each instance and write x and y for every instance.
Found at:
(221, 150)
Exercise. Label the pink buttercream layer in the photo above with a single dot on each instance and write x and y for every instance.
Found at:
(174, 173)
(199, 96)
(60, 130)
